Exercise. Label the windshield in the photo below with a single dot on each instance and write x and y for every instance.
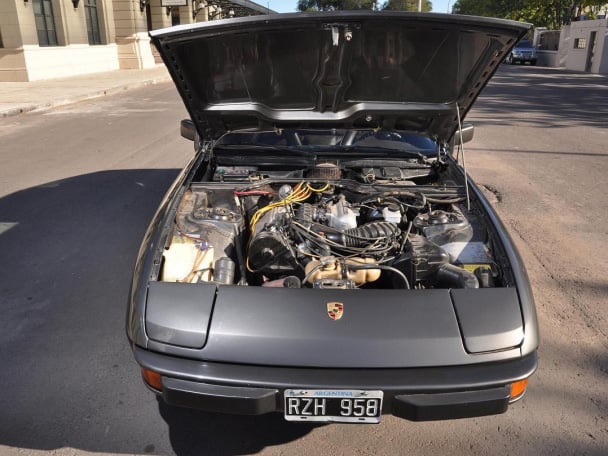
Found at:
(524, 44)
(334, 139)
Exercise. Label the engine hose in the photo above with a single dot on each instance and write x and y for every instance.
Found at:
(456, 277)
(406, 283)
(425, 199)
(446, 200)
(365, 234)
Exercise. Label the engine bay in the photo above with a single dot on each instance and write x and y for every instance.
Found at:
(353, 224)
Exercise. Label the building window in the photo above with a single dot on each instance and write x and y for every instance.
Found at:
(45, 22)
(175, 19)
(90, 12)
(580, 43)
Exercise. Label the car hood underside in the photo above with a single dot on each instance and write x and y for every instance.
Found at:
(343, 69)
(293, 327)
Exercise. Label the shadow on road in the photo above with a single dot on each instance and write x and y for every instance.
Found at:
(546, 97)
(68, 378)
(195, 433)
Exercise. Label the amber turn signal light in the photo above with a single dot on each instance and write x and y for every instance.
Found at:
(152, 378)
(518, 388)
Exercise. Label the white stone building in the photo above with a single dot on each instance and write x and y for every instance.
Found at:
(43, 39)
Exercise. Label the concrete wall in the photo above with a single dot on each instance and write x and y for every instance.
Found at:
(547, 58)
(565, 43)
(60, 61)
(600, 59)
(573, 58)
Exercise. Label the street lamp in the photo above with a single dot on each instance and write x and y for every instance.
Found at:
(197, 8)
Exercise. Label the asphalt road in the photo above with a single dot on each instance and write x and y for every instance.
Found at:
(78, 186)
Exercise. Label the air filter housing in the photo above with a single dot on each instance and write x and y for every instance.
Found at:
(325, 170)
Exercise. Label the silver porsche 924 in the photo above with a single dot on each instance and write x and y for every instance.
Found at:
(324, 255)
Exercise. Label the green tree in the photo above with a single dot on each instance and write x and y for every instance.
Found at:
(407, 5)
(542, 13)
(332, 5)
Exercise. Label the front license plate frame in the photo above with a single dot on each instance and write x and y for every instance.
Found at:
(333, 406)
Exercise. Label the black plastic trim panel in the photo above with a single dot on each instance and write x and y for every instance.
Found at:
(216, 398)
(417, 394)
(448, 406)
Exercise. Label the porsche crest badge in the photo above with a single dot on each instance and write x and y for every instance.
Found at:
(335, 310)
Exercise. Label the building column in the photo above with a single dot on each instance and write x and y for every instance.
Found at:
(185, 14)
(18, 28)
(160, 19)
(132, 40)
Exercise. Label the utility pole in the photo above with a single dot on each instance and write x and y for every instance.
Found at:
(419, 6)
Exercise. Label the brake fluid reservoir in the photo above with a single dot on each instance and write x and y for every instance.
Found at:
(392, 214)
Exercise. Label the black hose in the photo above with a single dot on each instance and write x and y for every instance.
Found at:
(425, 198)
(384, 267)
(446, 200)
(240, 258)
(404, 240)
(311, 272)
(364, 234)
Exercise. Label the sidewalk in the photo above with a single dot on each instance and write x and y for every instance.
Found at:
(19, 97)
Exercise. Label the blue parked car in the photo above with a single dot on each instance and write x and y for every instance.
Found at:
(522, 52)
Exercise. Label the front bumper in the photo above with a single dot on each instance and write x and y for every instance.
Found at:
(417, 394)
(523, 58)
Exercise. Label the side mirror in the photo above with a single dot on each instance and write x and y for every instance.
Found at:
(187, 129)
(467, 134)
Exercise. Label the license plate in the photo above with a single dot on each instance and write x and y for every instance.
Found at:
(340, 406)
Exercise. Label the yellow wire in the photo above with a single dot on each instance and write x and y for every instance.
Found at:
(301, 192)
(317, 190)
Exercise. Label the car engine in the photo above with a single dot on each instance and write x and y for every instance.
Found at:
(329, 227)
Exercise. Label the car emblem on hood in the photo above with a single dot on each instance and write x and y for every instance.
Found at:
(335, 310)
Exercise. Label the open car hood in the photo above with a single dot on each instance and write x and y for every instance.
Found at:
(345, 69)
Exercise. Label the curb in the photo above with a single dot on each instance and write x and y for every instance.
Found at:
(82, 97)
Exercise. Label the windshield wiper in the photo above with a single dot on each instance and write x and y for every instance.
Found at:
(398, 149)
(265, 148)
